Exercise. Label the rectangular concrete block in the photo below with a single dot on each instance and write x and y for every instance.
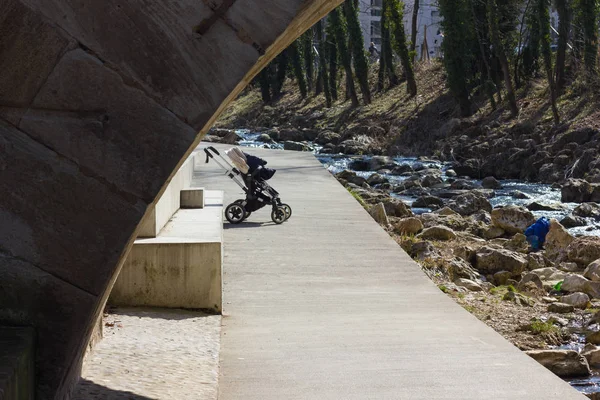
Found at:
(17, 373)
(192, 198)
(174, 275)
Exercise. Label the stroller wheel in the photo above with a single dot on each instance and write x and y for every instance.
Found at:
(278, 215)
(235, 213)
(288, 211)
(240, 202)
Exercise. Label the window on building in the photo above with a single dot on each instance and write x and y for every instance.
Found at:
(376, 3)
(376, 12)
(435, 14)
(377, 41)
(375, 28)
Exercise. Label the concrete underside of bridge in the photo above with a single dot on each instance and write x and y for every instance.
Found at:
(100, 101)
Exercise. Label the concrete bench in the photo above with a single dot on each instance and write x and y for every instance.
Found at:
(169, 202)
(181, 267)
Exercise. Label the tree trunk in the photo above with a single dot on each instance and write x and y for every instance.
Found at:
(324, 81)
(264, 79)
(456, 63)
(544, 16)
(488, 83)
(309, 61)
(339, 28)
(396, 19)
(280, 74)
(589, 11)
(564, 16)
(297, 66)
(361, 66)
(333, 66)
(500, 53)
(413, 34)
(520, 47)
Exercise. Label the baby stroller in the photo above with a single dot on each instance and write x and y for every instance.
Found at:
(250, 173)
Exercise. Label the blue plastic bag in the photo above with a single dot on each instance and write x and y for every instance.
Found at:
(536, 233)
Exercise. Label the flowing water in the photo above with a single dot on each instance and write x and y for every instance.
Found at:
(537, 192)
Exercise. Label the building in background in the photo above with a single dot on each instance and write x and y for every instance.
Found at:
(428, 20)
(428, 26)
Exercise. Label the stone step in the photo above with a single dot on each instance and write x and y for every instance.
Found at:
(181, 267)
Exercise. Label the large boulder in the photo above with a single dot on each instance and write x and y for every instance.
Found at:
(592, 354)
(468, 284)
(490, 260)
(397, 208)
(584, 250)
(357, 147)
(577, 283)
(459, 268)
(408, 226)
(378, 213)
(512, 219)
(557, 241)
(576, 191)
(577, 300)
(572, 221)
(264, 138)
(295, 146)
(402, 169)
(564, 363)
(560, 308)
(491, 183)
(587, 210)
(470, 203)
(351, 177)
(376, 179)
(536, 261)
(380, 162)
(437, 233)
(592, 271)
(327, 137)
(428, 202)
(292, 135)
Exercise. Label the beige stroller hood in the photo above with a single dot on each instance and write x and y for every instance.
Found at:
(238, 159)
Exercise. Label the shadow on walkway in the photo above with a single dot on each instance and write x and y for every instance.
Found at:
(88, 390)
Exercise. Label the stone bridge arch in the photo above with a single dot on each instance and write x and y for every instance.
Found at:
(100, 101)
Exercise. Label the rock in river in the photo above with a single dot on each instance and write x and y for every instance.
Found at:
(564, 363)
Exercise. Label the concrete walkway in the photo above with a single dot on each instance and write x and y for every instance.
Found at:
(328, 306)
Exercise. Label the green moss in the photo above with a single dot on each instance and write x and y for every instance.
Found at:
(443, 288)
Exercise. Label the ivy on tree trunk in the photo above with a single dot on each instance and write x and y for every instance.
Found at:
(297, 66)
(356, 41)
(396, 15)
(544, 17)
(501, 54)
(339, 29)
(323, 63)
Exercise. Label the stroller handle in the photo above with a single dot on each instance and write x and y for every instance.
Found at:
(209, 155)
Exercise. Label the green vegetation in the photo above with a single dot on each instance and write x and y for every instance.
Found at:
(443, 288)
(357, 197)
(538, 327)
(502, 290)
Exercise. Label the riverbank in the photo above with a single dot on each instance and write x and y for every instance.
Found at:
(489, 143)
